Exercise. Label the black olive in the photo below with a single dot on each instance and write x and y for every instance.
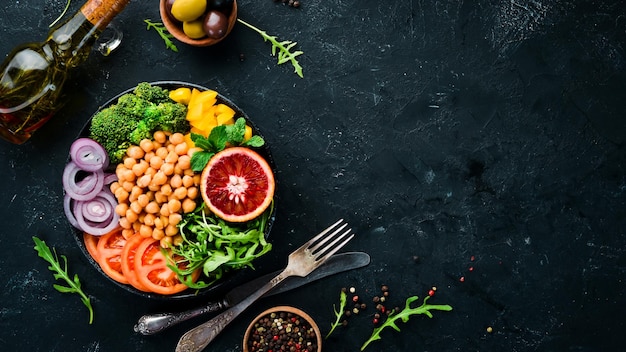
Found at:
(215, 24)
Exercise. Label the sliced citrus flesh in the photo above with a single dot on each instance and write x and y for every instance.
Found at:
(237, 184)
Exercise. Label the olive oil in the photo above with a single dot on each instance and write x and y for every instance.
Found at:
(32, 76)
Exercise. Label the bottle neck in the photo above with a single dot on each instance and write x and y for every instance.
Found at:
(101, 12)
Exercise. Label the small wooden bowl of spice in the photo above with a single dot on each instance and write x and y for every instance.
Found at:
(283, 328)
(215, 20)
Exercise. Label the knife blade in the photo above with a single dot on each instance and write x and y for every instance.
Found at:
(153, 323)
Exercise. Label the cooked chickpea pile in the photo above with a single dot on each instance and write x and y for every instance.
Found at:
(155, 186)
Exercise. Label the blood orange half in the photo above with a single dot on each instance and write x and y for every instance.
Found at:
(237, 184)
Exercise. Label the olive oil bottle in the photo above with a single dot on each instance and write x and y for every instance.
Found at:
(33, 74)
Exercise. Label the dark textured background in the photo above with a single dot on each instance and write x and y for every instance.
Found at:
(443, 130)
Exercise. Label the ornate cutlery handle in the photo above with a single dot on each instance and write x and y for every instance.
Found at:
(153, 323)
(198, 338)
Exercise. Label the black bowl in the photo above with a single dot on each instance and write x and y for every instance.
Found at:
(229, 279)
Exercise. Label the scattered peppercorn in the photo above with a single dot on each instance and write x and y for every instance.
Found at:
(462, 279)
(384, 288)
(386, 294)
(363, 306)
(431, 293)
(355, 299)
(376, 299)
(489, 329)
(352, 290)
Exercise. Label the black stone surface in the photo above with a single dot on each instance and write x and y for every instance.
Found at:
(485, 138)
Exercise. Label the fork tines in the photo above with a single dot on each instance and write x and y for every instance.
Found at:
(338, 234)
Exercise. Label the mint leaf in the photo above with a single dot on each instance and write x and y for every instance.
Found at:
(199, 160)
(254, 141)
(218, 138)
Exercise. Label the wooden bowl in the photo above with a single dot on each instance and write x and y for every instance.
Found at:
(176, 28)
(283, 309)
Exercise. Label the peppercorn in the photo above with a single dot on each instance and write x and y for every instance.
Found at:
(363, 306)
(355, 298)
(384, 288)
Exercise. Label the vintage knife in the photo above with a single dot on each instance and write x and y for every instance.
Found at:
(152, 323)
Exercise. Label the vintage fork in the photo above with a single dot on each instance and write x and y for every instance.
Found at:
(301, 262)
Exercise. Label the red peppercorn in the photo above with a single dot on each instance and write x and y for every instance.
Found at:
(462, 279)
(375, 321)
(382, 309)
(471, 268)
(355, 299)
(431, 293)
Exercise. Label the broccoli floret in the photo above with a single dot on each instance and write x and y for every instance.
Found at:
(110, 127)
(153, 94)
(169, 117)
(133, 105)
(136, 116)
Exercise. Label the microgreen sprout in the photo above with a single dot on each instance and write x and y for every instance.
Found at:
(404, 315)
(284, 48)
(165, 35)
(60, 273)
(338, 312)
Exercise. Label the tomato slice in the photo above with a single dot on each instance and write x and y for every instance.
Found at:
(91, 243)
(109, 249)
(128, 262)
(152, 271)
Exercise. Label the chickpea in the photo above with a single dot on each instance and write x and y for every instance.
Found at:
(158, 223)
(131, 216)
(143, 200)
(188, 205)
(177, 138)
(171, 157)
(180, 192)
(148, 219)
(127, 233)
(158, 234)
(124, 223)
(174, 205)
(121, 209)
(151, 171)
(165, 210)
(175, 218)
(129, 162)
(121, 195)
(135, 152)
(192, 192)
(144, 181)
(167, 169)
(145, 231)
(187, 181)
(159, 197)
(135, 193)
(177, 169)
(140, 168)
(156, 162)
(161, 152)
(176, 181)
(128, 186)
(148, 156)
(166, 190)
(166, 242)
(159, 178)
(147, 145)
(135, 207)
(160, 137)
(177, 240)
(152, 208)
(181, 149)
(128, 175)
(184, 162)
(171, 230)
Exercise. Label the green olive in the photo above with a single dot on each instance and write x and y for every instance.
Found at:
(188, 10)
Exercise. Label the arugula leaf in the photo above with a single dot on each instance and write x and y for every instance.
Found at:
(404, 315)
(338, 312)
(165, 35)
(217, 247)
(284, 49)
(218, 139)
(60, 273)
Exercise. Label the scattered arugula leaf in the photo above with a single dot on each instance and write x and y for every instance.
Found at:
(60, 272)
(217, 247)
(165, 35)
(338, 312)
(404, 315)
(67, 6)
(219, 137)
(284, 47)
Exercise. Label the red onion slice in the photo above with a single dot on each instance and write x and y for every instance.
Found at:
(84, 189)
(69, 213)
(89, 155)
(98, 228)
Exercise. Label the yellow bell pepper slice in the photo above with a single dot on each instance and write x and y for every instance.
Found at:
(225, 119)
(248, 133)
(181, 95)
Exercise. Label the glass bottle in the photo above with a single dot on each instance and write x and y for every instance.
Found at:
(32, 75)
